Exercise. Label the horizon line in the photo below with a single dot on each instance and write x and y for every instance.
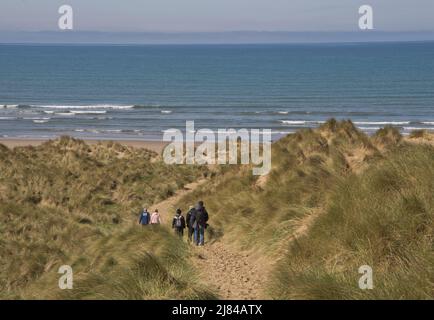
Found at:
(205, 37)
(211, 43)
(223, 31)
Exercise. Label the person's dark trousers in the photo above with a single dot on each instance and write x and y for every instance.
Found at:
(196, 236)
(199, 235)
(190, 234)
(179, 232)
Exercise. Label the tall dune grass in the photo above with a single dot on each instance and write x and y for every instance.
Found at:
(66, 202)
(369, 198)
(383, 218)
(335, 199)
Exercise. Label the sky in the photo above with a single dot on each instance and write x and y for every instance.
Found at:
(216, 15)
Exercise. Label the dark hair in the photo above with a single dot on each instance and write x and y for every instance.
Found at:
(178, 211)
(200, 203)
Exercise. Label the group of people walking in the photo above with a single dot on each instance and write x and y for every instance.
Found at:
(147, 218)
(196, 221)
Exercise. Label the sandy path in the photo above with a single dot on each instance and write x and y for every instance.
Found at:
(233, 275)
(230, 273)
(237, 275)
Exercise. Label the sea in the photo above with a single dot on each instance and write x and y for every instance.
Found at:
(137, 92)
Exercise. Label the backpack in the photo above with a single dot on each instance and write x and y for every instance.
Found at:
(201, 217)
(178, 221)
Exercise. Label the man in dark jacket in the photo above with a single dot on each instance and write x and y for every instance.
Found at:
(199, 222)
(191, 213)
(178, 223)
(145, 217)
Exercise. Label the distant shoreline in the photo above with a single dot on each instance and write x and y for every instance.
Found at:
(153, 145)
(156, 146)
(222, 37)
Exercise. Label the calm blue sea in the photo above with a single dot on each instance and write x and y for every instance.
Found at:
(136, 92)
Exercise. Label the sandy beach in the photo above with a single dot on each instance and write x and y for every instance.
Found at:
(156, 146)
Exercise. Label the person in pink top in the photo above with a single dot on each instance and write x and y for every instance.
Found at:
(155, 217)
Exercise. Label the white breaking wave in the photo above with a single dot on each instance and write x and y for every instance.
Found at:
(369, 128)
(292, 122)
(416, 128)
(88, 112)
(107, 131)
(40, 121)
(282, 112)
(373, 123)
(8, 106)
(166, 111)
(96, 106)
(113, 130)
(67, 114)
(300, 122)
(381, 122)
(26, 118)
(428, 123)
(8, 118)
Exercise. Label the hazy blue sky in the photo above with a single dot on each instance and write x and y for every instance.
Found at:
(217, 15)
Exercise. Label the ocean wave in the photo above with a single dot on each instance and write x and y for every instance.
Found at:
(95, 106)
(90, 106)
(166, 111)
(417, 128)
(292, 122)
(64, 114)
(381, 122)
(301, 122)
(366, 123)
(428, 122)
(88, 111)
(40, 121)
(113, 130)
(8, 118)
(35, 118)
(8, 106)
(277, 112)
(102, 118)
(369, 128)
(142, 106)
(128, 131)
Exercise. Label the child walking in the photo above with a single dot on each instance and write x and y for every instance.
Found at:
(178, 223)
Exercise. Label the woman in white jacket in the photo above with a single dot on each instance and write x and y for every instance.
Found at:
(155, 217)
